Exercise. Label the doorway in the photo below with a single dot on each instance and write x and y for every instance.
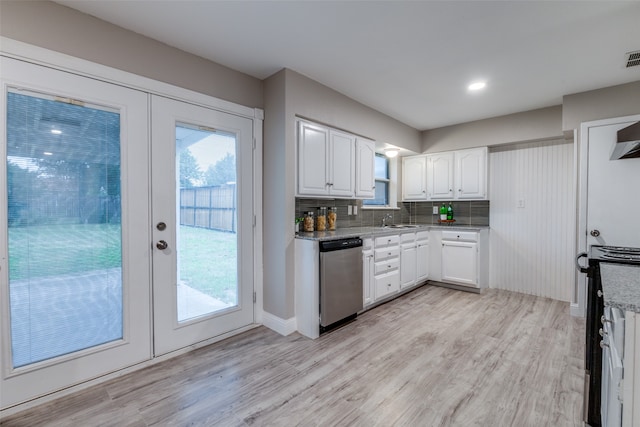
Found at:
(87, 287)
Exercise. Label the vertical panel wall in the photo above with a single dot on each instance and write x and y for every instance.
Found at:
(532, 218)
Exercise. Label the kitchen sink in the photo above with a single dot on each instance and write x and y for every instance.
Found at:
(401, 226)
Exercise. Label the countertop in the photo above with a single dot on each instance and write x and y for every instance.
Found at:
(621, 286)
(343, 233)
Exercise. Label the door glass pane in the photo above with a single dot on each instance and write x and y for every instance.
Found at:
(63, 186)
(207, 236)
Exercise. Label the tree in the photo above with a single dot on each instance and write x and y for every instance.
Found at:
(190, 173)
(222, 172)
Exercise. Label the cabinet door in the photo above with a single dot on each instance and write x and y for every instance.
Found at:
(408, 265)
(460, 262)
(414, 178)
(471, 173)
(313, 168)
(367, 276)
(341, 164)
(422, 261)
(440, 176)
(365, 168)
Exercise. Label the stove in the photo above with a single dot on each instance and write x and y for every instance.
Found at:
(615, 254)
(595, 309)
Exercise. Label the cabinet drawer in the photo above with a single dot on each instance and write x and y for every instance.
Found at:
(386, 253)
(387, 240)
(467, 236)
(387, 284)
(408, 237)
(388, 265)
(422, 235)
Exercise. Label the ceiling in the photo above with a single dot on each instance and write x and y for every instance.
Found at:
(410, 60)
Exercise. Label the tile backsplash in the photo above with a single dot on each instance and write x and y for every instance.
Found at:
(465, 212)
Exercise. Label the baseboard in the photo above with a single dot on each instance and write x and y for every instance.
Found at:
(282, 326)
(576, 310)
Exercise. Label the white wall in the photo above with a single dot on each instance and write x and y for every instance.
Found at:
(532, 247)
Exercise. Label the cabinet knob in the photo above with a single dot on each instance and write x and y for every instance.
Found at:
(603, 344)
(603, 320)
(599, 293)
(602, 332)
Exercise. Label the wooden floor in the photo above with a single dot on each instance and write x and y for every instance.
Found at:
(434, 357)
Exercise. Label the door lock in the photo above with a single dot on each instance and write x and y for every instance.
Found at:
(162, 245)
(595, 233)
(161, 226)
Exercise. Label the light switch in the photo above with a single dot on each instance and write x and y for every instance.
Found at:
(520, 203)
(355, 209)
(436, 210)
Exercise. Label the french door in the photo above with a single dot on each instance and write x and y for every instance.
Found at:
(126, 228)
(74, 232)
(202, 223)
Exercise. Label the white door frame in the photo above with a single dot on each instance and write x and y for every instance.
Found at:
(40, 56)
(579, 306)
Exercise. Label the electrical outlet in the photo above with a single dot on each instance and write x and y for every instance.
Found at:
(436, 210)
(355, 209)
(349, 210)
(520, 203)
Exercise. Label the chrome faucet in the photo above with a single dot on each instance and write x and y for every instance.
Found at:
(385, 218)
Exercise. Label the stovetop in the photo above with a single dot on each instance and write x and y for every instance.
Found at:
(624, 255)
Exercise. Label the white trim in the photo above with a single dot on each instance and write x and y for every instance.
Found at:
(282, 326)
(41, 56)
(258, 313)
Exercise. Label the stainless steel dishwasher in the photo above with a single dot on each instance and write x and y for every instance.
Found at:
(340, 281)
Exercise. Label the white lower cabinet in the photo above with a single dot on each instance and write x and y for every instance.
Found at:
(422, 256)
(460, 257)
(368, 271)
(408, 258)
(631, 373)
(460, 262)
(387, 264)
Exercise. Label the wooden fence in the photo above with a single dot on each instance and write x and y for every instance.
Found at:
(213, 208)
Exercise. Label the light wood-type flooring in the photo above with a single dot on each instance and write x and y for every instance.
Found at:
(433, 357)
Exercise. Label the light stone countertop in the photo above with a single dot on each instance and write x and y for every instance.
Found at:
(344, 233)
(621, 285)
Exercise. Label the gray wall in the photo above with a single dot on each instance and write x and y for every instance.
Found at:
(288, 94)
(59, 28)
(615, 101)
(541, 124)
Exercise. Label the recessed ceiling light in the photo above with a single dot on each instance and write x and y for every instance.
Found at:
(391, 152)
(477, 86)
(56, 131)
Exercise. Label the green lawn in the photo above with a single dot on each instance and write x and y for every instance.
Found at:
(208, 259)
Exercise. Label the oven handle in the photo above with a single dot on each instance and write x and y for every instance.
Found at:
(580, 268)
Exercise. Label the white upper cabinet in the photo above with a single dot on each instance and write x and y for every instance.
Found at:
(440, 176)
(414, 178)
(328, 164)
(471, 174)
(313, 160)
(451, 175)
(342, 161)
(365, 168)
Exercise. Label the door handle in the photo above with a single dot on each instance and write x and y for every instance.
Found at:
(162, 245)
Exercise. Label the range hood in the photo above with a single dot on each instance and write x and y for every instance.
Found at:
(628, 144)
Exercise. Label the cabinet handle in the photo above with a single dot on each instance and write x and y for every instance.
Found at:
(603, 344)
(603, 320)
(599, 293)
(602, 332)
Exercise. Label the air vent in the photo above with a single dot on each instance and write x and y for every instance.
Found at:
(633, 58)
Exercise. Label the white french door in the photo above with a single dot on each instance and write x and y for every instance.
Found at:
(126, 228)
(202, 203)
(74, 230)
